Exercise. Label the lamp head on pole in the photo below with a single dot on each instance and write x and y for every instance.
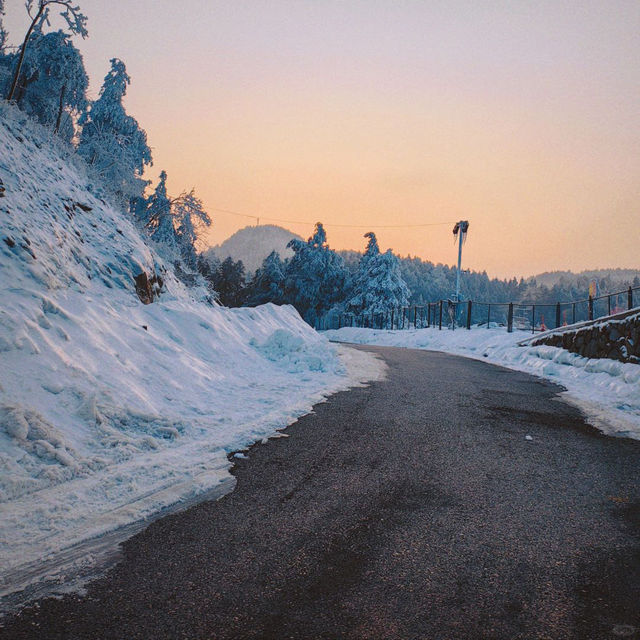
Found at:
(461, 227)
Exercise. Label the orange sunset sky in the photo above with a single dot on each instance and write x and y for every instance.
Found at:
(522, 117)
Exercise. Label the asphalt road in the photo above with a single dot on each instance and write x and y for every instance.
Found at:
(414, 508)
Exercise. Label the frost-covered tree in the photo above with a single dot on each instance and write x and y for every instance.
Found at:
(156, 205)
(38, 11)
(157, 215)
(229, 282)
(379, 286)
(4, 36)
(267, 284)
(53, 83)
(191, 218)
(112, 141)
(174, 222)
(208, 267)
(315, 278)
(6, 59)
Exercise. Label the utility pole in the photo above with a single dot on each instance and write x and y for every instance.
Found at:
(460, 230)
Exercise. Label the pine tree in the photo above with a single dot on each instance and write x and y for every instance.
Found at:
(4, 36)
(53, 83)
(316, 278)
(112, 141)
(268, 282)
(38, 11)
(208, 267)
(157, 216)
(230, 282)
(379, 286)
(190, 216)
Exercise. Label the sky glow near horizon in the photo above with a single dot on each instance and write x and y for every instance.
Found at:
(523, 118)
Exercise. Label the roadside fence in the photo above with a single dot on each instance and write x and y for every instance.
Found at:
(467, 313)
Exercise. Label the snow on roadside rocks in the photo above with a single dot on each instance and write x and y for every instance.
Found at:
(111, 410)
(607, 391)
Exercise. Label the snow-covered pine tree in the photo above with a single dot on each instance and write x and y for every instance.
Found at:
(208, 267)
(315, 278)
(112, 141)
(157, 216)
(38, 11)
(190, 216)
(379, 286)
(53, 83)
(229, 282)
(6, 58)
(3, 32)
(268, 282)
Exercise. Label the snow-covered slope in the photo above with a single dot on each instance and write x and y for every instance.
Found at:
(253, 244)
(607, 391)
(110, 409)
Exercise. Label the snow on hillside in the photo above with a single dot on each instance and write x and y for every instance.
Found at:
(607, 391)
(109, 409)
(253, 244)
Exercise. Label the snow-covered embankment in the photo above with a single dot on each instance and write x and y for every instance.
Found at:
(111, 410)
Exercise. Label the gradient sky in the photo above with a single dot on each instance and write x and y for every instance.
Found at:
(522, 117)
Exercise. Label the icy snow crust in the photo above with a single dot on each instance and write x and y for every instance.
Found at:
(607, 391)
(111, 410)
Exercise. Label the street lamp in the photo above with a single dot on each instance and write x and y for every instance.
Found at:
(460, 230)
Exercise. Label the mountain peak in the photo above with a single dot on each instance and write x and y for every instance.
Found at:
(253, 244)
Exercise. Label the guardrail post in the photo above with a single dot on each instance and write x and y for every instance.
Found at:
(429, 315)
(415, 317)
(558, 312)
(590, 307)
(533, 318)
(608, 305)
(510, 318)
(392, 314)
(469, 304)
(488, 316)
(440, 318)
(630, 298)
(573, 318)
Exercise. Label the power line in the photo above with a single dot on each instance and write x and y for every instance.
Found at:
(328, 224)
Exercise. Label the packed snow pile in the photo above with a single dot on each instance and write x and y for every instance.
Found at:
(606, 390)
(110, 409)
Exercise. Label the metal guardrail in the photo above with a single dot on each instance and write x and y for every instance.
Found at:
(465, 314)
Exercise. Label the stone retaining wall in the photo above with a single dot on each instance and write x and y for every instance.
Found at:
(616, 339)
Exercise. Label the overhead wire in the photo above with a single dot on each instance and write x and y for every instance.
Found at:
(329, 224)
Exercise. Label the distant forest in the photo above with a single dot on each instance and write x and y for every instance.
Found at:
(319, 281)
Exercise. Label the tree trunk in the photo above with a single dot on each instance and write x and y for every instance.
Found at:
(14, 82)
(62, 92)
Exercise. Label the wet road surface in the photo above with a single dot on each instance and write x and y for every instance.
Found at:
(413, 508)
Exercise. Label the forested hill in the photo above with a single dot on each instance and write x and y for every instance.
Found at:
(253, 244)
(429, 282)
(614, 276)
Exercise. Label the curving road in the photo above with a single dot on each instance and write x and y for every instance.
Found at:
(414, 508)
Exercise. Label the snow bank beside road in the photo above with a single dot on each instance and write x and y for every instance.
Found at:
(607, 391)
(111, 410)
